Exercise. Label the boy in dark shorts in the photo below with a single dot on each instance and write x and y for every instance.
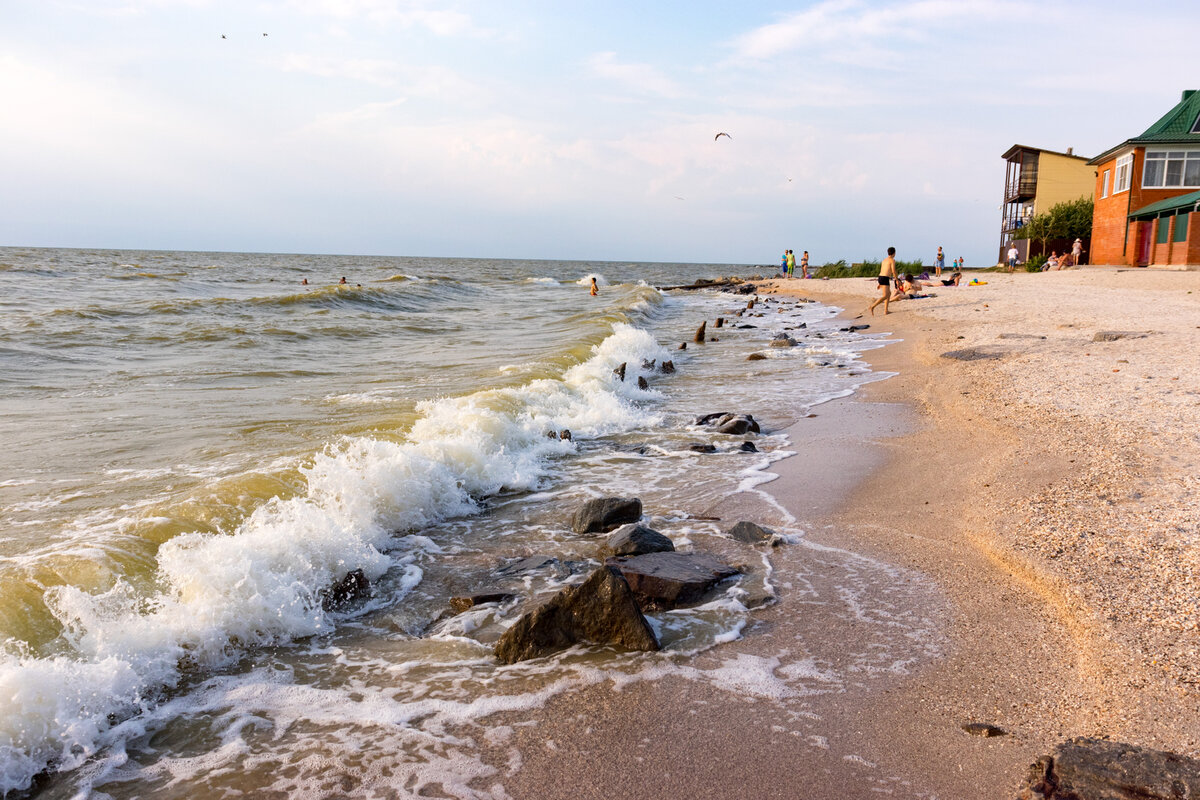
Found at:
(887, 274)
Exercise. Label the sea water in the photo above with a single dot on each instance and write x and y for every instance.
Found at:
(196, 446)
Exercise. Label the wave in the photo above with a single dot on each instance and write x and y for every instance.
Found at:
(222, 594)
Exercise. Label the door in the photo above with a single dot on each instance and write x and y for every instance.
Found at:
(1145, 231)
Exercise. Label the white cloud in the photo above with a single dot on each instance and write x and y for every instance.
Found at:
(403, 13)
(640, 78)
(378, 72)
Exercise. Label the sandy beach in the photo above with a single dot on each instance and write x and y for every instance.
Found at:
(1040, 501)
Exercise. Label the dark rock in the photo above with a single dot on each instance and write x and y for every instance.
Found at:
(1096, 769)
(668, 367)
(352, 588)
(601, 610)
(667, 580)
(698, 447)
(756, 357)
(565, 435)
(973, 354)
(648, 365)
(853, 328)
(713, 417)
(642, 383)
(461, 604)
(635, 540)
(738, 426)
(750, 304)
(620, 372)
(750, 532)
(552, 434)
(748, 288)
(746, 325)
(1112, 336)
(783, 340)
(605, 513)
(699, 337)
(720, 322)
(983, 729)
(526, 565)
(682, 346)
(748, 447)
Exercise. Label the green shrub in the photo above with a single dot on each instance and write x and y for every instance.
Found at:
(1034, 264)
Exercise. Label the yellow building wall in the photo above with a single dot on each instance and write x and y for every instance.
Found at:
(1061, 178)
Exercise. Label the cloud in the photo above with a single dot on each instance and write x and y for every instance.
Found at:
(378, 72)
(404, 13)
(854, 30)
(640, 78)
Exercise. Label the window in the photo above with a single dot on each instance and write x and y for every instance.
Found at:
(1181, 223)
(1104, 186)
(1171, 169)
(1164, 224)
(1196, 126)
(1124, 167)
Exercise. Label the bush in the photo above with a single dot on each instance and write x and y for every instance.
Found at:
(865, 269)
(1034, 264)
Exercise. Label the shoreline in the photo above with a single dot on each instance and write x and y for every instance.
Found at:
(941, 491)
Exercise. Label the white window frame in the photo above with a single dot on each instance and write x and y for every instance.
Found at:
(1121, 181)
(1161, 156)
(1105, 185)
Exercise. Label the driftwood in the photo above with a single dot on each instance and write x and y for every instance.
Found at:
(708, 285)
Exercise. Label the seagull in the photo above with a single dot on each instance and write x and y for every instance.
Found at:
(722, 133)
(222, 36)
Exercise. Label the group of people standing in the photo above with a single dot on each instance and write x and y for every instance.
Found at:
(787, 264)
(940, 262)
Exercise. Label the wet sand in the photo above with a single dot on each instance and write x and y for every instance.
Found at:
(926, 473)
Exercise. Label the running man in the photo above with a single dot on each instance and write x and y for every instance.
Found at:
(887, 274)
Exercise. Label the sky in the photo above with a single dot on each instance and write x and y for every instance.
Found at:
(559, 130)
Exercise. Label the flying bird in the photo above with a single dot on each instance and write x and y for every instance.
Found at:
(722, 133)
(223, 36)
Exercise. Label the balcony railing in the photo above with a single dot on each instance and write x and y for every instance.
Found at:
(1025, 187)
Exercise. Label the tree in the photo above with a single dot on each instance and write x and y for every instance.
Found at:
(1069, 220)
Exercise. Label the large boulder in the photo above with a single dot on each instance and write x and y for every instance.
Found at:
(667, 580)
(601, 610)
(634, 540)
(1096, 769)
(605, 513)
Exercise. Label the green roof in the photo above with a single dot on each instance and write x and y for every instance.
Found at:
(1170, 204)
(1180, 125)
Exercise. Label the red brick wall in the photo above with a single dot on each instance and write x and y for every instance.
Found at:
(1108, 219)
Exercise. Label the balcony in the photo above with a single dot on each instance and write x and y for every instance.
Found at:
(1018, 191)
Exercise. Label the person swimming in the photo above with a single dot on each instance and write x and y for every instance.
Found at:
(595, 288)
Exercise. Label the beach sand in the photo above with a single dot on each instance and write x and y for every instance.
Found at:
(1041, 508)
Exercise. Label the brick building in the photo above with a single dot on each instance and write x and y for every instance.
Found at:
(1148, 194)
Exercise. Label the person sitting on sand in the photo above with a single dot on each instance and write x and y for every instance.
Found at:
(887, 274)
(954, 279)
(595, 288)
(1052, 262)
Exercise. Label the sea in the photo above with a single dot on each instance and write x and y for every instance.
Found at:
(194, 447)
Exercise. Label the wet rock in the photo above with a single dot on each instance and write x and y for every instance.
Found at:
(983, 729)
(720, 322)
(605, 513)
(668, 367)
(750, 304)
(461, 604)
(352, 588)
(642, 384)
(735, 424)
(748, 447)
(668, 580)
(974, 354)
(565, 435)
(750, 532)
(699, 337)
(620, 372)
(1112, 336)
(528, 564)
(1096, 769)
(783, 340)
(708, 419)
(635, 540)
(756, 357)
(682, 346)
(854, 328)
(648, 365)
(746, 325)
(602, 610)
(700, 447)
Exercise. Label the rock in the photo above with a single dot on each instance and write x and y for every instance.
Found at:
(748, 447)
(642, 383)
(667, 367)
(710, 418)
(750, 304)
(526, 565)
(983, 729)
(750, 532)
(461, 604)
(667, 580)
(682, 346)
(635, 540)
(1096, 769)
(973, 354)
(605, 513)
(720, 322)
(756, 357)
(1112, 336)
(620, 372)
(783, 340)
(601, 610)
(565, 435)
(352, 588)
(1019, 336)
(648, 365)
(699, 447)
(552, 434)
(738, 426)
(853, 328)
(746, 325)
(699, 337)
